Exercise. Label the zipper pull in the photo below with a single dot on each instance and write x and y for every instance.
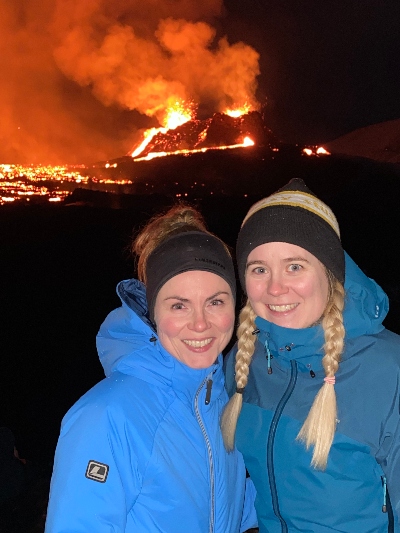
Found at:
(269, 357)
(208, 391)
(384, 510)
(312, 373)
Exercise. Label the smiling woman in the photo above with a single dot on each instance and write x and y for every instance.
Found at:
(143, 450)
(286, 284)
(314, 377)
(195, 313)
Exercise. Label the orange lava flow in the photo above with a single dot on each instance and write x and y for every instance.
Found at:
(320, 150)
(177, 115)
(246, 142)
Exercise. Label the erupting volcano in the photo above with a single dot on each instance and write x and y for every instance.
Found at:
(183, 133)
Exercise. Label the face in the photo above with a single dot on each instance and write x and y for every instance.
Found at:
(286, 285)
(195, 314)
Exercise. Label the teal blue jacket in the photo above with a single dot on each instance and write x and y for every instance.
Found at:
(142, 451)
(362, 478)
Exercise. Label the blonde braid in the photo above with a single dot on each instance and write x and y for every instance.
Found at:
(246, 345)
(320, 424)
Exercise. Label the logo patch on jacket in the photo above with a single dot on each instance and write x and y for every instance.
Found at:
(97, 471)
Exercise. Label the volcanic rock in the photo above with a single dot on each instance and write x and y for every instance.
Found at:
(380, 142)
(220, 130)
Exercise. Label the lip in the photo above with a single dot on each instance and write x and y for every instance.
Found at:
(198, 345)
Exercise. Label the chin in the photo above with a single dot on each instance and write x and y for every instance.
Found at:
(200, 363)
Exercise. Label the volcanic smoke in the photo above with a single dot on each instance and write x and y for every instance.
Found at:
(75, 68)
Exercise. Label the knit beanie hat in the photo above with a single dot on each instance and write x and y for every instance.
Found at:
(296, 216)
(190, 250)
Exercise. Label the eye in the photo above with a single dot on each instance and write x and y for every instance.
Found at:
(178, 306)
(259, 270)
(216, 302)
(295, 268)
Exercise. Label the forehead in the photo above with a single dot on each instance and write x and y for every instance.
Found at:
(195, 282)
(281, 251)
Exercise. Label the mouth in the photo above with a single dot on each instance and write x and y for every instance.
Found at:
(198, 344)
(281, 308)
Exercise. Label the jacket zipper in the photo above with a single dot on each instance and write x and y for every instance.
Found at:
(387, 507)
(270, 444)
(209, 450)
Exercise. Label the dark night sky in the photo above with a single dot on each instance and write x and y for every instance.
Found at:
(327, 68)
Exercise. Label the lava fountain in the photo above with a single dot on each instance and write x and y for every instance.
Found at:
(183, 133)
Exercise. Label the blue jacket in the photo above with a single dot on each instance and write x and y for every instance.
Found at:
(142, 450)
(364, 460)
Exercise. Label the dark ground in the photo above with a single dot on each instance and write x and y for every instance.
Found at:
(60, 266)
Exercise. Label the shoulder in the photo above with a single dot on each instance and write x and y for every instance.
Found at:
(117, 400)
(392, 340)
(376, 358)
(388, 349)
(229, 370)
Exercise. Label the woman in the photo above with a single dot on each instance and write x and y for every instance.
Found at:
(317, 373)
(142, 451)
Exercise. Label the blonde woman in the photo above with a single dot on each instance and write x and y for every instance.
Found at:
(142, 451)
(315, 377)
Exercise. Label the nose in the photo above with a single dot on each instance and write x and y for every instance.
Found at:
(199, 321)
(276, 285)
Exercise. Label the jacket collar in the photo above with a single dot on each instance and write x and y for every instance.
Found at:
(303, 345)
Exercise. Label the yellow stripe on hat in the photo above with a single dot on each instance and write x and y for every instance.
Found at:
(297, 199)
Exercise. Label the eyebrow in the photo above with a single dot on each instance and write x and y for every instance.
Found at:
(187, 300)
(286, 260)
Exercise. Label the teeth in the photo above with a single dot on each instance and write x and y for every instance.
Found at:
(282, 308)
(198, 344)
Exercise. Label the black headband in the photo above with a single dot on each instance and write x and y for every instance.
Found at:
(190, 250)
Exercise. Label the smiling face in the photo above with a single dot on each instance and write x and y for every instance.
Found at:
(286, 285)
(195, 315)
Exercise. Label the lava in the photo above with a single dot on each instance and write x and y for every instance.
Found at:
(176, 115)
(239, 111)
(151, 155)
(182, 133)
(32, 183)
(316, 150)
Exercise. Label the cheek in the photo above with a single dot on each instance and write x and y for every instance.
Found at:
(253, 289)
(168, 326)
(318, 294)
(226, 322)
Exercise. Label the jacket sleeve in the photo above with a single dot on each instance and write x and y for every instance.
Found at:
(249, 518)
(391, 469)
(95, 478)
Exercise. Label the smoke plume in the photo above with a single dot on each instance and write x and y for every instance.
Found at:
(80, 78)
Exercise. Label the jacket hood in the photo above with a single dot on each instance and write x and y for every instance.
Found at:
(366, 306)
(127, 342)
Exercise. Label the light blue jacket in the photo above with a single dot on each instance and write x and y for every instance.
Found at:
(363, 468)
(142, 450)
